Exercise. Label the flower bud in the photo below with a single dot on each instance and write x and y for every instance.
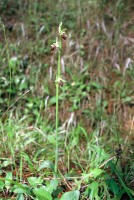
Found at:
(64, 36)
(53, 47)
(60, 83)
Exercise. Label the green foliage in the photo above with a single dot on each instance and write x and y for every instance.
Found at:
(42, 194)
(46, 164)
(72, 195)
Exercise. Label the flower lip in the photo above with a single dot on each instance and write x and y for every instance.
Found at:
(53, 47)
(64, 36)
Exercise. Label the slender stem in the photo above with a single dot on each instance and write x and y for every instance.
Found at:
(21, 168)
(57, 109)
(57, 122)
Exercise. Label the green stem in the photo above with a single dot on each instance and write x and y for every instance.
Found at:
(57, 122)
(21, 168)
(57, 110)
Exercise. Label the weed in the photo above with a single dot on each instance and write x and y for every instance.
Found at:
(59, 83)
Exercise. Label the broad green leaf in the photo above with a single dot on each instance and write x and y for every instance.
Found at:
(8, 177)
(7, 163)
(30, 105)
(20, 197)
(52, 186)
(72, 195)
(42, 194)
(127, 99)
(19, 190)
(52, 100)
(96, 172)
(46, 164)
(1, 185)
(34, 181)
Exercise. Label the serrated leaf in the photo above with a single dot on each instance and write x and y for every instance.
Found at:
(72, 195)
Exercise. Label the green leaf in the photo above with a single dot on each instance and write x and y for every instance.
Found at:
(51, 139)
(52, 100)
(20, 197)
(127, 190)
(7, 163)
(101, 155)
(30, 105)
(52, 186)
(114, 187)
(46, 164)
(34, 181)
(94, 190)
(127, 99)
(95, 85)
(1, 185)
(8, 177)
(13, 62)
(72, 195)
(42, 194)
(19, 190)
(96, 172)
(23, 84)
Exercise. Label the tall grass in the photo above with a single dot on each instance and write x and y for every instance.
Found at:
(8, 59)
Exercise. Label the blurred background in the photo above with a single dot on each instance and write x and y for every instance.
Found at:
(97, 59)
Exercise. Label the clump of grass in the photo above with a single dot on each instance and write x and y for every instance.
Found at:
(59, 82)
(8, 57)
